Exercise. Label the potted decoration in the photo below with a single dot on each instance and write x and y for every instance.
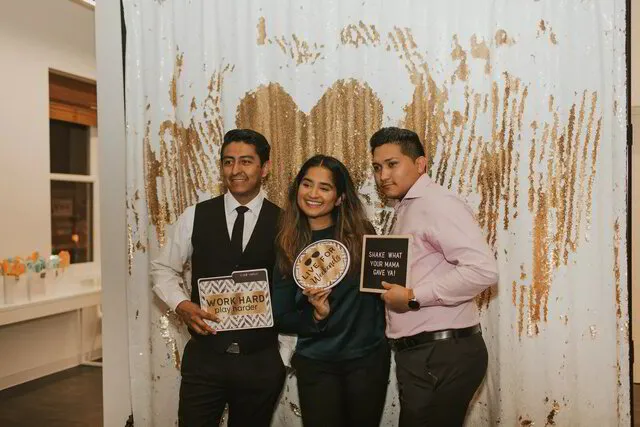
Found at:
(15, 281)
(36, 273)
(2, 283)
(54, 273)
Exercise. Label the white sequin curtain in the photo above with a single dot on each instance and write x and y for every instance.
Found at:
(523, 107)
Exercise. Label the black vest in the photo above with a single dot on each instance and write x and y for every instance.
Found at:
(212, 257)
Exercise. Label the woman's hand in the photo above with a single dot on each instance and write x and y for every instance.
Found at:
(318, 297)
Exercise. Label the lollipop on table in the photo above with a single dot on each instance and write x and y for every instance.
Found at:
(13, 267)
(35, 263)
(53, 273)
(65, 259)
(54, 262)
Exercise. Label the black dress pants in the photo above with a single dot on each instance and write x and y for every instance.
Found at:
(346, 393)
(438, 380)
(249, 383)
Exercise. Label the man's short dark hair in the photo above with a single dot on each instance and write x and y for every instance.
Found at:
(251, 137)
(408, 141)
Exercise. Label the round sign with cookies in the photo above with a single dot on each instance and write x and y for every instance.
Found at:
(322, 264)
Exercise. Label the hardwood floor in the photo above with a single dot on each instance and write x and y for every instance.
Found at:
(71, 398)
(636, 405)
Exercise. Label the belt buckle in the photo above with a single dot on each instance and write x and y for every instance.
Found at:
(404, 343)
(233, 348)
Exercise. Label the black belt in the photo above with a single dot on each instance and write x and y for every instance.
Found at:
(405, 343)
(238, 342)
(236, 348)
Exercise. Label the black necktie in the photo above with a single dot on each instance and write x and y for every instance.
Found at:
(236, 234)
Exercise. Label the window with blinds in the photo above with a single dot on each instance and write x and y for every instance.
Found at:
(73, 161)
(72, 99)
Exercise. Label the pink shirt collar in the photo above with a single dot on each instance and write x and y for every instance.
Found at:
(418, 189)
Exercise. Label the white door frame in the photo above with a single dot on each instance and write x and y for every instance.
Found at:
(116, 387)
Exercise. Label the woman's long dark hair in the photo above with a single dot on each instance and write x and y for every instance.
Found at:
(349, 218)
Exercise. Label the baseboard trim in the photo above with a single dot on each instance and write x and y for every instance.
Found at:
(48, 369)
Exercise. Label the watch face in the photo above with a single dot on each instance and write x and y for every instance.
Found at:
(413, 304)
(322, 264)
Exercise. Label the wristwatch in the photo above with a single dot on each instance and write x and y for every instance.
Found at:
(413, 303)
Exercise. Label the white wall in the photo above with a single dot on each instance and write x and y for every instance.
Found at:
(36, 35)
(635, 241)
(116, 384)
(635, 52)
(635, 197)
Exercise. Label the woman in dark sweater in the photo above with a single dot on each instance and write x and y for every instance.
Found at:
(342, 357)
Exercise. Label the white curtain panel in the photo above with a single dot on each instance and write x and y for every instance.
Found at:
(522, 106)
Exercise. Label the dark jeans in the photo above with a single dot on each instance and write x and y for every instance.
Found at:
(346, 393)
(438, 380)
(249, 383)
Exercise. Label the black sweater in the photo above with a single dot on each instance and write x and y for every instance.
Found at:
(354, 327)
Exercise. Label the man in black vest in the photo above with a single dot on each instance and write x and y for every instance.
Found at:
(228, 233)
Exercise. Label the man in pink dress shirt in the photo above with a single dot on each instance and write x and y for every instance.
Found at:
(433, 321)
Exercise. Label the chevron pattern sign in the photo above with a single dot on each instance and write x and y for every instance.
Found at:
(241, 301)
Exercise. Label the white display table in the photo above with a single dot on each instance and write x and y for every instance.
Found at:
(57, 331)
(66, 297)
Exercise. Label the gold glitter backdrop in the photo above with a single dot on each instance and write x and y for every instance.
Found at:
(184, 163)
(561, 156)
(520, 107)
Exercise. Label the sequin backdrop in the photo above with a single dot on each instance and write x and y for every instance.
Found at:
(522, 108)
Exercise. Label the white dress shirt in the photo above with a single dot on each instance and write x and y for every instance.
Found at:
(166, 270)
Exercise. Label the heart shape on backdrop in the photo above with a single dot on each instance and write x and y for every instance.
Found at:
(339, 125)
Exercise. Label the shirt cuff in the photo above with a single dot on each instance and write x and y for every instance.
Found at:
(425, 295)
(175, 299)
